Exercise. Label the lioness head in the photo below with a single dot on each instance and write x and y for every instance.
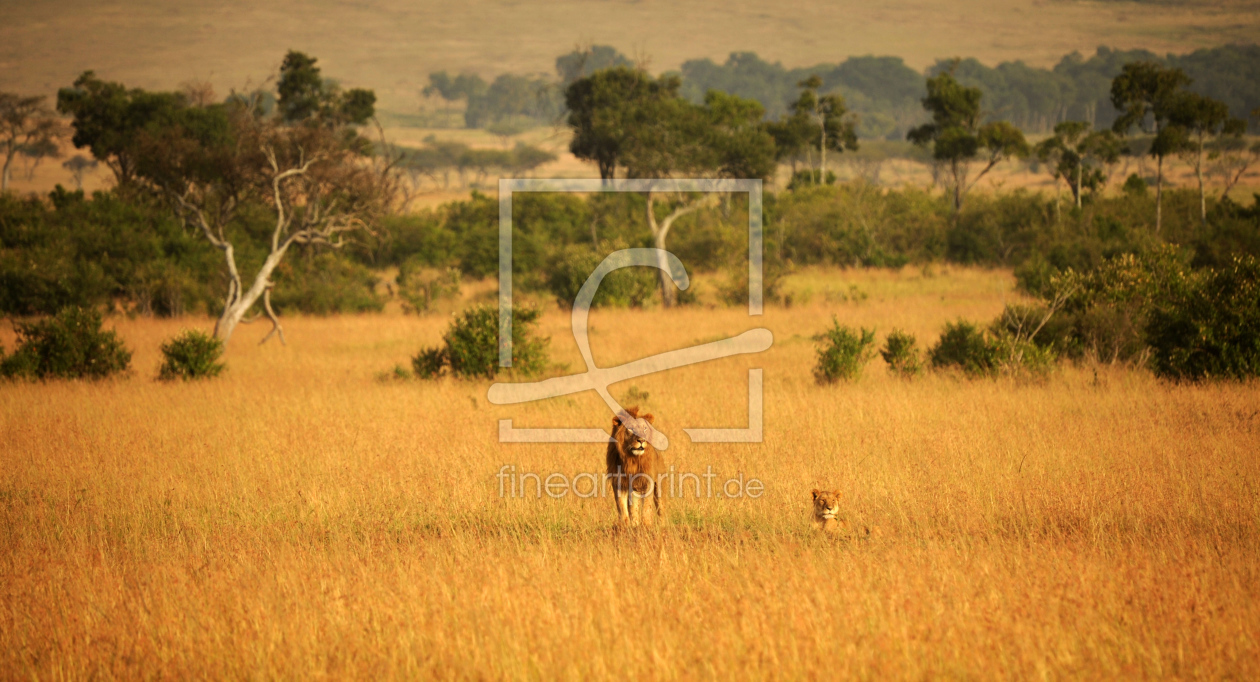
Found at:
(826, 504)
(632, 432)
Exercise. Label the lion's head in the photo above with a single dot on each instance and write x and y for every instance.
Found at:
(826, 504)
(632, 432)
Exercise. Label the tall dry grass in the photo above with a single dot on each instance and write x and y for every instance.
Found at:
(300, 518)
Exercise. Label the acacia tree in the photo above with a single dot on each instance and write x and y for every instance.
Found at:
(210, 162)
(958, 137)
(1233, 154)
(1079, 156)
(1148, 91)
(653, 133)
(609, 108)
(1201, 120)
(28, 127)
(109, 119)
(826, 120)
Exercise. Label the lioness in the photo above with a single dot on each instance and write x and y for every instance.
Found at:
(633, 465)
(826, 507)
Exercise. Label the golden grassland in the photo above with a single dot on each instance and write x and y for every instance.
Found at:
(301, 517)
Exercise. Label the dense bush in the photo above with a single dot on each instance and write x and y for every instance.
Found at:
(901, 353)
(69, 345)
(1211, 327)
(1006, 347)
(325, 284)
(842, 352)
(72, 250)
(964, 346)
(1105, 317)
(471, 345)
(628, 287)
(192, 354)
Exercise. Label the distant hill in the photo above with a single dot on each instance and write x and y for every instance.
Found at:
(392, 45)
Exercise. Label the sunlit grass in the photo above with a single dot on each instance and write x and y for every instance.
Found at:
(299, 517)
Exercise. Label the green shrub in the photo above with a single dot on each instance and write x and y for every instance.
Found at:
(193, 354)
(1134, 185)
(842, 352)
(325, 284)
(69, 345)
(964, 346)
(420, 287)
(628, 287)
(901, 353)
(809, 178)
(1019, 356)
(1211, 329)
(429, 363)
(472, 345)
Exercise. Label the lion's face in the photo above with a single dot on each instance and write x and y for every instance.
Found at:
(632, 432)
(826, 504)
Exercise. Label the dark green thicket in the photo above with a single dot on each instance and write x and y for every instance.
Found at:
(1211, 327)
(325, 284)
(75, 250)
(471, 346)
(627, 287)
(964, 346)
(191, 355)
(68, 345)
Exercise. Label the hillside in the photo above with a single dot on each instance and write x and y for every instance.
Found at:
(391, 45)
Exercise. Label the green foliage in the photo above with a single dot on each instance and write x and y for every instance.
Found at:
(192, 354)
(325, 284)
(1134, 186)
(965, 346)
(68, 345)
(471, 346)
(1211, 327)
(957, 135)
(572, 265)
(1080, 157)
(583, 62)
(429, 363)
(305, 95)
(623, 117)
(842, 352)
(514, 98)
(91, 251)
(810, 178)
(901, 352)
(856, 224)
(420, 287)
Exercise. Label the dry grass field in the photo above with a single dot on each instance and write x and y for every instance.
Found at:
(300, 517)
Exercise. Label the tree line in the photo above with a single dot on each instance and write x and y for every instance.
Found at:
(213, 195)
(882, 90)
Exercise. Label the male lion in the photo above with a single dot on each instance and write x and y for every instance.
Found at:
(826, 507)
(633, 466)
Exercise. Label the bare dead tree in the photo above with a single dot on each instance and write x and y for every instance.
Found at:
(317, 188)
(660, 233)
